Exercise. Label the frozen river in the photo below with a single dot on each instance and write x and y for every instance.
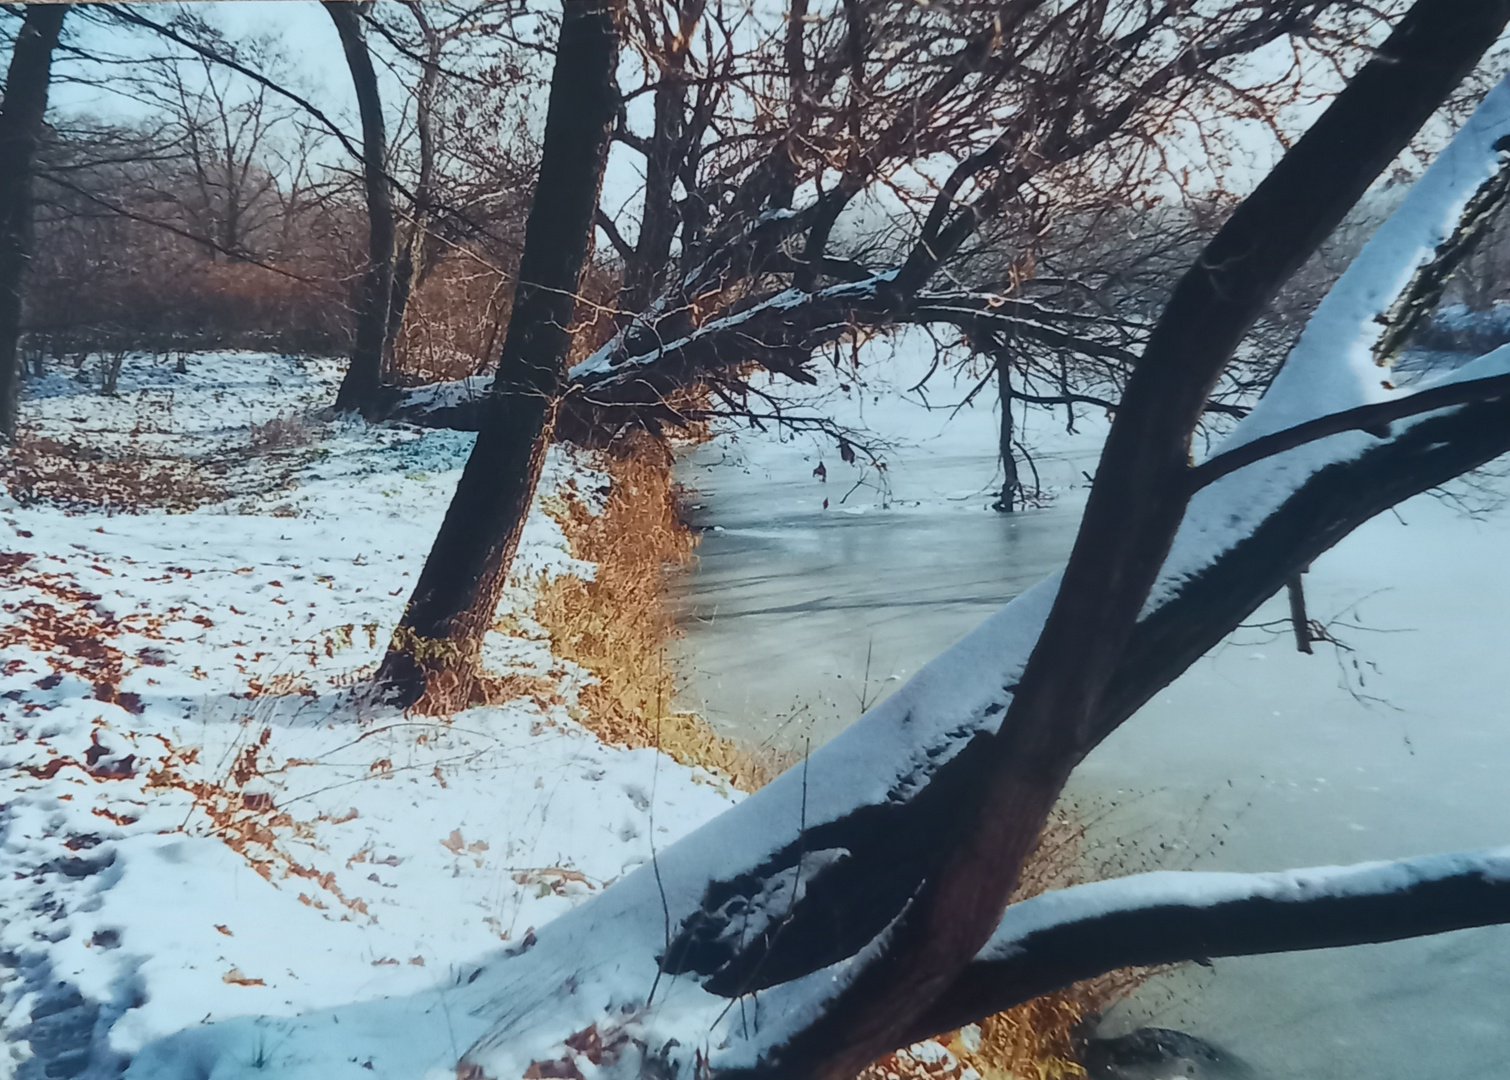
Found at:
(1258, 758)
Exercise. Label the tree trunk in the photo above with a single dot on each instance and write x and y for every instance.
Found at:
(1299, 623)
(410, 268)
(435, 648)
(361, 388)
(20, 130)
(1008, 500)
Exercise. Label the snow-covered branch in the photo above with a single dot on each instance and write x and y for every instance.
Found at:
(649, 359)
(1374, 419)
(1170, 917)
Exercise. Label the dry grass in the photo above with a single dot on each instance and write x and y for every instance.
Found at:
(454, 323)
(617, 626)
(70, 473)
(289, 432)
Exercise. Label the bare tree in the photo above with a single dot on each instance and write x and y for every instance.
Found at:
(415, 253)
(861, 901)
(874, 905)
(981, 821)
(224, 142)
(1023, 99)
(435, 647)
(361, 388)
(21, 114)
(1030, 107)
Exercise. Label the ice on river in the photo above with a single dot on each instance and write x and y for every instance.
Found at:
(1394, 743)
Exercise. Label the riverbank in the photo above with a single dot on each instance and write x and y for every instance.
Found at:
(200, 819)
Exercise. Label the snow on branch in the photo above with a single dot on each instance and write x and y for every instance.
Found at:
(647, 355)
(1374, 419)
(1170, 917)
(1331, 389)
(1333, 366)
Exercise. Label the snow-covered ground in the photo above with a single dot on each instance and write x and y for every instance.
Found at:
(199, 819)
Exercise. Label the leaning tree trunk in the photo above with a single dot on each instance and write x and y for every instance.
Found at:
(435, 648)
(362, 386)
(20, 130)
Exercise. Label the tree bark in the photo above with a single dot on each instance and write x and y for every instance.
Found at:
(1299, 623)
(21, 114)
(1170, 917)
(361, 389)
(435, 648)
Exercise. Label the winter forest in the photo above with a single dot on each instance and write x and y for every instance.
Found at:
(760, 539)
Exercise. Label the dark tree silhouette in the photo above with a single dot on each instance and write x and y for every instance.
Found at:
(361, 389)
(435, 647)
(21, 113)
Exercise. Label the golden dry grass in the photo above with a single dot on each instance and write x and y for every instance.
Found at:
(617, 626)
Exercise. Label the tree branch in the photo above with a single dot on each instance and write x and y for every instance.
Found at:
(1373, 419)
(616, 238)
(1061, 937)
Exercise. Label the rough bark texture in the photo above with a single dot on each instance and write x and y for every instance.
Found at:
(1059, 710)
(439, 639)
(362, 386)
(21, 115)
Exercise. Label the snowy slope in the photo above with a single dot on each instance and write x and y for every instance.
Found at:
(200, 820)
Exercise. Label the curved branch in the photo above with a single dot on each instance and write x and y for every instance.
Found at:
(1058, 938)
(1374, 419)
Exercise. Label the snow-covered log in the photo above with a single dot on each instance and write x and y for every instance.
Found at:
(768, 942)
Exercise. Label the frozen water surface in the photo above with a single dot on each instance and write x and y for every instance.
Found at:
(1258, 758)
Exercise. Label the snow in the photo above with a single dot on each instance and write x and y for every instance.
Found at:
(933, 443)
(1332, 367)
(606, 362)
(1202, 889)
(898, 743)
(433, 397)
(200, 819)
(593, 965)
